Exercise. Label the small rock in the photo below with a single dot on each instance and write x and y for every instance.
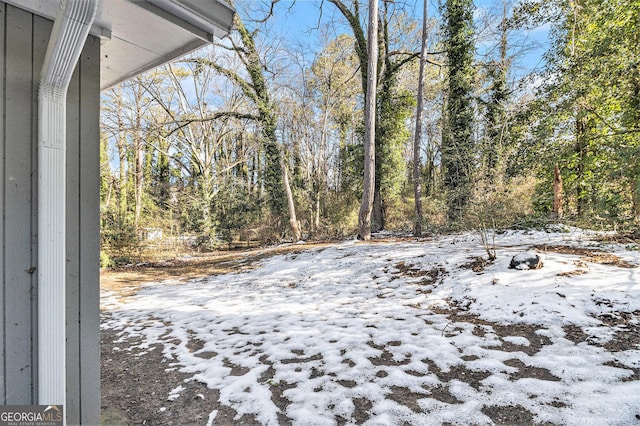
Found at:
(526, 260)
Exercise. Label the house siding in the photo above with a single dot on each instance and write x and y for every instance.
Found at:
(23, 43)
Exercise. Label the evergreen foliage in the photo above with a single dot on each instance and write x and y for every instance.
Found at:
(588, 110)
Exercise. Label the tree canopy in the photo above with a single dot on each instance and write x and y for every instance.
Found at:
(262, 137)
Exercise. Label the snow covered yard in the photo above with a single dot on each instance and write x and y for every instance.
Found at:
(395, 332)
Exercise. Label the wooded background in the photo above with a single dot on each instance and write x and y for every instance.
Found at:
(261, 137)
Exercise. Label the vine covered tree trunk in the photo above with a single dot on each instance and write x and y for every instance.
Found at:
(556, 212)
(256, 89)
(635, 198)
(274, 183)
(393, 107)
(581, 150)
(417, 178)
(457, 138)
(496, 113)
(364, 216)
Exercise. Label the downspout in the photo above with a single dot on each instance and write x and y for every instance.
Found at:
(70, 30)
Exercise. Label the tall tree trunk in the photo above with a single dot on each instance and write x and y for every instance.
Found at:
(315, 202)
(635, 198)
(496, 115)
(293, 220)
(121, 194)
(635, 119)
(255, 87)
(458, 145)
(138, 155)
(207, 199)
(557, 194)
(320, 171)
(377, 213)
(364, 216)
(386, 67)
(139, 175)
(121, 145)
(316, 218)
(417, 179)
(581, 148)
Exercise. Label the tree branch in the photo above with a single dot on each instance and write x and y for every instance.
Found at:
(246, 88)
(215, 116)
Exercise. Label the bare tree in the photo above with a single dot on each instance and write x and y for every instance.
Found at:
(124, 120)
(334, 90)
(202, 143)
(293, 220)
(256, 88)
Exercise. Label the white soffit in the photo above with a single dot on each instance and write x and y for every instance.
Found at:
(138, 35)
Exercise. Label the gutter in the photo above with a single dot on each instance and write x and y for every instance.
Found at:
(71, 27)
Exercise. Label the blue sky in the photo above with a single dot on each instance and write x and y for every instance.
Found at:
(299, 21)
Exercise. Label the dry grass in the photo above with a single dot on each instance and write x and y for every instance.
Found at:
(125, 280)
(588, 255)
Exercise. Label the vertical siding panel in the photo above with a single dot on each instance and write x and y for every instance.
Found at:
(3, 368)
(90, 232)
(17, 175)
(72, 407)
(41, 32)
(23, 42)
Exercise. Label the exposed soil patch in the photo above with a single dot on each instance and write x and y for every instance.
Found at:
(626, 332)
(477, 264)
(442, 394)
(624, 339)
(533, 340)
(573, 273)
(429, 277)
(136, 389)
(316, 357)
(406, 397)
(589, 255)
(529, 332)
(125, 281)
(633, 377)
(386, 357)
(361, 412)
(433, 275)
(575, 333)
(509, 414)
(563, 249)
(277, 390)
(194, 345)
(236, 370)
(529, 372)
(458, 372)
(608, 259)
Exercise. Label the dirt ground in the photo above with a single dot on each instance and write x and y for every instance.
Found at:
(135, 388)
(126, 279)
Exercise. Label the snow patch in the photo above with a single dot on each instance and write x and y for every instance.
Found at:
(328, 329)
